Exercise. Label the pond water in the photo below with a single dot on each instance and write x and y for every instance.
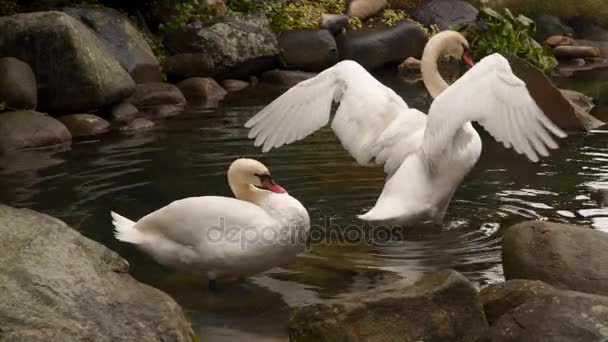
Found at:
(134, 174)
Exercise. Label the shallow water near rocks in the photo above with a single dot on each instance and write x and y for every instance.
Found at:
(134, 174)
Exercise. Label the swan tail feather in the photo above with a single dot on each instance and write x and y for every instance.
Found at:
(124, 229)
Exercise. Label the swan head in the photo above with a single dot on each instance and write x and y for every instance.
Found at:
(251, 175)
(453, 44)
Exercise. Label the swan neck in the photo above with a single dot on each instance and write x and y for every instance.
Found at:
(244, 191)
(435, 84)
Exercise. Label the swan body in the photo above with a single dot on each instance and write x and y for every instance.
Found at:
(425, 157)
(223, 237)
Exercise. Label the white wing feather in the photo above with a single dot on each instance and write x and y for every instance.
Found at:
(492, 95)
(366, 109)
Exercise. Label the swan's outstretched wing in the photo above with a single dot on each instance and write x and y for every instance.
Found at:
(366, 109)
(492, 95)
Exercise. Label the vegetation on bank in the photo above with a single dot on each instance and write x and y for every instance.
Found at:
(507, 34)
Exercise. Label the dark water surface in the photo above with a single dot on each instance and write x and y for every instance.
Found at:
(188, 156)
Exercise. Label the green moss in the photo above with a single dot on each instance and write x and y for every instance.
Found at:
(8, 8)
(305, 14)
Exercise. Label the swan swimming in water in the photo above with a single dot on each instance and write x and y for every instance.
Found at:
(223, 237)
(425, 157)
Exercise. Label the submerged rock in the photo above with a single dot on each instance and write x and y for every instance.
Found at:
(565, 256)
(74, 69)
(286, 78)
(234, 85)
(378, 46)
(85, 125)
(235, 46)
(18, 87)
(123, 39)
(138, 124)
(24, 129)
(440, 307)
(445, 13)
(58, 285)
(123, 113)
(550, 99)
(202, 92)
(158, 100)
(308, 50)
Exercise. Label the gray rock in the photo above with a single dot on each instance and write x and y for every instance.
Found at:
(58, 285)
(364, 9)
(583, 101)
(123, 113)
(123, 39)
(589, 31)
(551, 100)
(554, 317)
(24, 129)
(559, 40)
(565, 256)
(378, 46)
(335, 23)
(440, 307)
(138, 125)
(308, 50)
(17, 84)
(549, 25)
(236, 46)
(234, 85)
(445, 13)
(85, 125)
(158, 100)
(185, 65)
(576, 52)
(286, 78)
(202, 92)
(74, 69)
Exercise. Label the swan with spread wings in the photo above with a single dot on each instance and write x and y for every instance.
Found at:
(425, 157)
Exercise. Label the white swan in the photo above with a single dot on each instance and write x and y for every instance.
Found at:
(425, 157)
(223, 237)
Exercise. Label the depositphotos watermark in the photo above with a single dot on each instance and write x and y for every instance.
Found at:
(326, 233)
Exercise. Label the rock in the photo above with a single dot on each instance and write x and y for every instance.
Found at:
(550, 99)
(588, 30)
(378, 46)
(601, 45)
(123, 113)
(565, 256)
(409, 66)
(440, 307)
(158, 100)
(74, 69)
(286, 78)
(184, 65)
(334, 23)
(554, 317)
(549, 25)
(17, 84)
(123, 39)
(499, 299)
(445, 13)
(559, 41)
(85, 125)
(234, 85)
(235, 46)
(138, 125)
(58, 285)
(308, 50)
(576, 52)
(202, 92)
(581, 100)
(364, 9)
(25, 129)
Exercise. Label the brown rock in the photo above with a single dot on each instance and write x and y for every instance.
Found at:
(158, 100)
(18, 87)
(234, 85)
(559, 41)
(202, 92)
(24, 129)
(85, 125)
(123, 113)
(576, 51)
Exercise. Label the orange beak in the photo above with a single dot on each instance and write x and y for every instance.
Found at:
(468, 59)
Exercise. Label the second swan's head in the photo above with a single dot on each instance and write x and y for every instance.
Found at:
(453, 44)
(251, 172)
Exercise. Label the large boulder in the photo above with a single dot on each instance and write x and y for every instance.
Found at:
(57, 285)
(445, 13)
(534, 311)
(375, 47)
(308, 50)
(202, 92)
(234, 46)
(17, 84)
(565, 256)
(74, 69)
(24, 129)
(85, 125)
(440, 307)
(551, 100)
(123, 39)
(158, 100)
